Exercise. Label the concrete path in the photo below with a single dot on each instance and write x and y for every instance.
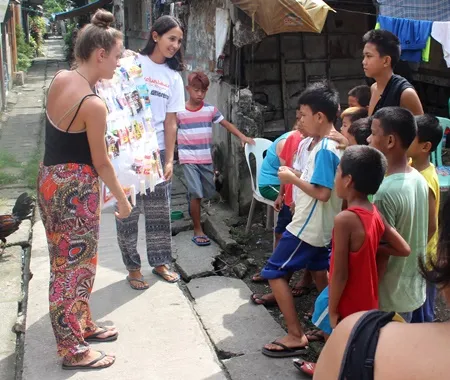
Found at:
(160, 336)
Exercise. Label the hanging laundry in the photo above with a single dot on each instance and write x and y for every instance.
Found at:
(413, 36)
(441, 33)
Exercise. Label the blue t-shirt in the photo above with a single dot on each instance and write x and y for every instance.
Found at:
(268, 176)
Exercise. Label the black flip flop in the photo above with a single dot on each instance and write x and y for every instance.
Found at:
(89, 366)
(94, 337)
(286, 351)
(258, 297)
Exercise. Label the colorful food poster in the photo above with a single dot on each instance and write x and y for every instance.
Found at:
(130, 138)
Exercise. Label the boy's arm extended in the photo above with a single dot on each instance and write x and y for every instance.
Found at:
(232, 129)
(341, 249)
(320, 193)
(432, 217)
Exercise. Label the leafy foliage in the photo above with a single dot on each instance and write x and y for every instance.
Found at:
(25, 52)
(37, 31)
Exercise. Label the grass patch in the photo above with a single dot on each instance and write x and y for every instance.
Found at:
(31, 170)
(7, 161)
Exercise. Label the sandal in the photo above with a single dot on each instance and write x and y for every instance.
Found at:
(94, 337)
(305, 367)
(257, 278)
(139, 280)
(198, 240)
(286, 351)
(315, 336)
(258, 299)
(90, 365)
(166, 275)
(301, 291)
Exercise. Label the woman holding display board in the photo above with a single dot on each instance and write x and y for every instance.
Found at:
(161, 62)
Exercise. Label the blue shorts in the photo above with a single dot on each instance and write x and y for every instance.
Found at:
(293, 254)
(320, 316)
(199, 180)
(284, 218)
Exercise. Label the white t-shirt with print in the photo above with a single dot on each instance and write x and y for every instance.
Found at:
(166, 92)
(300, 161)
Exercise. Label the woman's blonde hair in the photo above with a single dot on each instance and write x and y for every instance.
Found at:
(97, 35)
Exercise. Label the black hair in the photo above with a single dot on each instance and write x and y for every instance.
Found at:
(398, 121)
(321, 97)
(387, 44)
(161, 26)
(440, 272)
(362, 94)
(366, 165)
(429, 130)
(360, 130)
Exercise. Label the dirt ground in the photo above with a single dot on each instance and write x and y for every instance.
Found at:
(257, 247)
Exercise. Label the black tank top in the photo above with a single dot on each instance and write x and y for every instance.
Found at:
(63, 147)
(393, 92)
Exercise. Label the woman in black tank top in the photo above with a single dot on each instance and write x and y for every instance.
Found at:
(69, 192)
(367, 346)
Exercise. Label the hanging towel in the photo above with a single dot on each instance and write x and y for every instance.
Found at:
(413, 35)
(441, 33)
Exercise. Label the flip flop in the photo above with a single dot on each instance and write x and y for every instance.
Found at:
(286, 351)
(140, 280)
(315, 336)
(90, 364)
(301, 291)
(94, 337)
(196, 240)
(258, 299)
(166, 273)
(257, 278)
(305, 367)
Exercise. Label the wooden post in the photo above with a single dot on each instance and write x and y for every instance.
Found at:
(2, 71)
(13, 39)
(284, 97)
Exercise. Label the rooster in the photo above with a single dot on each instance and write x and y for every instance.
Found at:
(9, 224)
(218, 183)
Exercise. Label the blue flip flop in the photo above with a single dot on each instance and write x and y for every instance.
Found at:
(195, 239)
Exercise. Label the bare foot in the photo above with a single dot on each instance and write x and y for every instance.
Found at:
(91, 356)
(258, 278)
(264, 299)
(136, 280)
(290, 341)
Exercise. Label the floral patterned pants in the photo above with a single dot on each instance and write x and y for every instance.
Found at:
(69, 203)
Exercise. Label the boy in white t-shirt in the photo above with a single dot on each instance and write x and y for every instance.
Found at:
(306, 242)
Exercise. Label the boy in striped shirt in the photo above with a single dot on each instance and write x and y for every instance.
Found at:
(194, 148)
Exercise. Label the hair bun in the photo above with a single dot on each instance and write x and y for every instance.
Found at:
(102, 18)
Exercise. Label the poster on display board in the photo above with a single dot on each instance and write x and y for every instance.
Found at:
(131, 140)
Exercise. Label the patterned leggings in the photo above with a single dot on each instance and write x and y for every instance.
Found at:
(158, 231)
(68, 198)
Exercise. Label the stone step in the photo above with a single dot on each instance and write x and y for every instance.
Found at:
(239, 329)
(193, 261)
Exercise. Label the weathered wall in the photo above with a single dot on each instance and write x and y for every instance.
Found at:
(228, 154)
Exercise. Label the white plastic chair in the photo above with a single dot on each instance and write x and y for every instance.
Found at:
(258, 151)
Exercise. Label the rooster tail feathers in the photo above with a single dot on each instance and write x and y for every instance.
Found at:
(24, 206)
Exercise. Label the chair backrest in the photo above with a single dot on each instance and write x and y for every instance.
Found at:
(436, 156)
(258, 151)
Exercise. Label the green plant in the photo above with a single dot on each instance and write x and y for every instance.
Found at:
(7, 161)
(31, 170)
(69, 41)
(37, 31)
(24, 51)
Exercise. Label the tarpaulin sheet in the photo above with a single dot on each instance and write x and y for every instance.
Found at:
(285, 16)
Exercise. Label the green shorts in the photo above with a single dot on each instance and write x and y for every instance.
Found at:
(270, 192)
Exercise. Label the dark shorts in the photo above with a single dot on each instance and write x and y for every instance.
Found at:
(199, 180)
(284, 218)
(293, 254)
